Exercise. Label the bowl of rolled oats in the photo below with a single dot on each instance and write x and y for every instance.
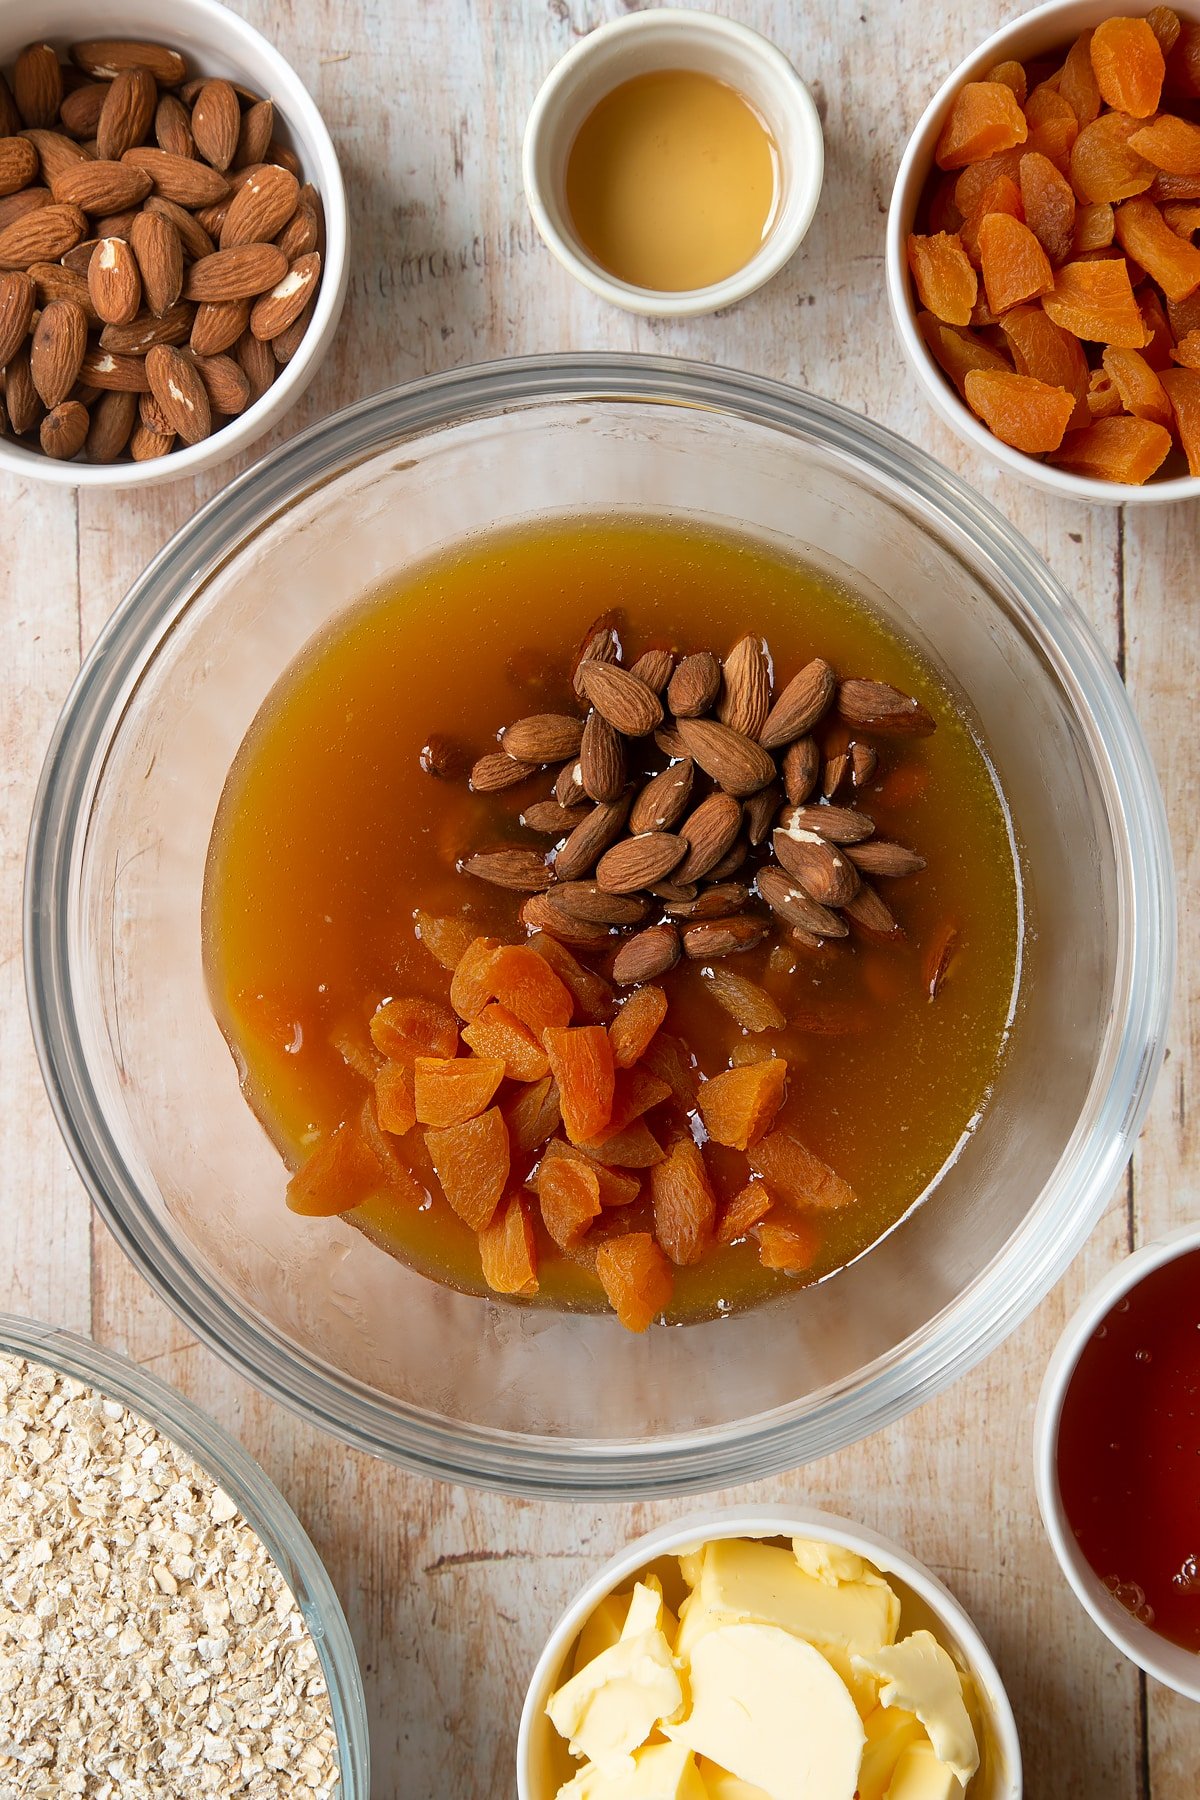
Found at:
(166, 1627)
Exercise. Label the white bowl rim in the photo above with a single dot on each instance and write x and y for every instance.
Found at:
(780, 246)
(764, 1521)
(910, 178)
(297, 106)
(1151, 1652)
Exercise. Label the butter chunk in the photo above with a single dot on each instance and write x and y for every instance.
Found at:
(890, 1730)
(656, 1772)
(918, 1675)
(719, 1784)
(921, 1776)
(768, 1708)
(602, 1629)
(615, 1701)
(743, 1580)
(833, 1563)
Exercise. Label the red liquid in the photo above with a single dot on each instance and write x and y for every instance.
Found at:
(1129, 1451)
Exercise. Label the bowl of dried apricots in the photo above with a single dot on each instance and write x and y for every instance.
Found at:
(1041, 263)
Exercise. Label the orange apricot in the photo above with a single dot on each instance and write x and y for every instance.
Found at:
(471, 984)
(1183, 386)
(1159, 336)
(341, 1172)
(507, 1250)
(581, 1063)
(973, 183)
(1095, 227)
(1012, 74)
(1183, 64)
(1103, 166)
(636, 1147)
(1142, 393)
(406, 1029)
(945, 281)
(984, 117)
(1117, 449)
(395, 1098)
(533, 1115)
(526, 984)
(636, 1023)
(1104, 396)
(569, 1195)
(685, 1207)
(748, 1207)
(1042, 349)
(1095, 300)
(471, 1162)
(1164, 23)
(636, 1277)
(1169, 143)
(445, 939)
(635, 1091)
(1187, 351)
(1183, 216)
(498, 1032)
(1001, 195)
(1168, 259)
(1129, 66)
(791, 1246)
(1077, 83)
(669, 1058)
(956, 350)
(1030, 415)
(738, 1106)
(795, 1175)
(1015, 267)
(448, 1090)
(593, 996)
(1052, 125)
(615, 1189)
(1048, 201)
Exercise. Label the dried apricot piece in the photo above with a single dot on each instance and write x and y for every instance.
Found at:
(1030, 415)
(1186, 353)
(635, 1091)
(945, 281)
(1169, 143)
(351, 1038)
(685, 1207)
(615, 1189)
(1042, 349)
(1104, 396)
(471, 984)
(974, 182)
(526, 984)
(532, 1115)
(636, 1277)
(395, 1098)
(341, 1172)
(581, 1063)
(1183, 216)
(1103, 166)
(1129, 66)
(593, 996)
(1119, 449)
(739, 1105)
(498, 1032)
(1001, 195)
(635, 1025)
(1183, 385)
(1012, 74)
(406, 1029)
(448, 1090)
(1048, 200)
(748, 1207)
(1164, 23)
(744, 1000)
(634, 1148)
(1142, 393)
(983, 118)
(1052, 125)
(1183, 316)
(1168, 259)
(1095, 300)
(669, 1058)
(1159, 336)
(1015, 267)
(956, 350)
(569, 1195)
(795, 1175)
(507, 1251)
(471, 1162)
(1174, 187)
(445, 939)
(1077, 82)
(1095, 227)
(790, 1245)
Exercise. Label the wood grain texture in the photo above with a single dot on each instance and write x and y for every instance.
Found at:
(450, 1593)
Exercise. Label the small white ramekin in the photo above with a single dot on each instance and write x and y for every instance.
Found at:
(1169, 1663)
(639, 44)
(1046, 28)
(925, 1603)
(215, 41)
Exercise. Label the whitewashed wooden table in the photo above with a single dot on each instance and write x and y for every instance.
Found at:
(449, 1592)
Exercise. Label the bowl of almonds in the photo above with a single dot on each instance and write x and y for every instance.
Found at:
(172, 241)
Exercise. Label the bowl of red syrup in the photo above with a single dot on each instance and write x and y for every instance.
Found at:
(1117, 1446)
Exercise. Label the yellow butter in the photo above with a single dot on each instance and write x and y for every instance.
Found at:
(918, 1675)
(690, 1562)
(833, 1564)
(615, 1701)
(890, 1730)
(767, 1707)
(657, 1772)
(719, 1784)
(602, 1629)
(744, 1580)
(921, 1776)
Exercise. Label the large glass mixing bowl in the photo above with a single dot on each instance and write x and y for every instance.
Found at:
(147, 1093)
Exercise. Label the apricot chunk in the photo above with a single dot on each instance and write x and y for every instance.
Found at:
(533, 1115)
(1052, 125)
(1187, 351)
(635, 1091)
(445, 939)
(636, 1147)
(636, 1277)
(406, 1029)
(569, 1195)
(983, 118)
(1142, 393)
(1015, 267)
(1012, 74)
(635, 1025)
(341, 1172)
(581, 1063)
(1028, 414)
(471, 984)
(615, 1189)
(790, 1245)
(1001, 195)
(471, 1162)
(450, 1090)
(958, 351)
(795, 1175)
(1159, 336)
(1048, 201)
(744, 1000)
(1077, 81)
(945, 281)
(1129, 66)
(669, 1058)
(739, 1105)
(498, 1033)
(593, 996)
(1164, 23)
(1118, 449)
(685, 1207)
(1104, 166)
(974, 182)
(395, 1098)
(1044, 350)
(1095, 227)
(507, 1250)
(1183, 386)
(1168, 259)
(1183, 216)
(1104, 396)
(1095, 300)
(526, 984)
(748, 1207)
(1169, 143)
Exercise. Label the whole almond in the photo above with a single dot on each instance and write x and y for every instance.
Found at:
(155, 244)
(37, 85)
(237, 274)
(101, 187)
(868, 910)
(804, 700)
(113, 418)
(285, 343)
(588, 900)
(152, 415)
(493, 773)
(759, 813)
(114, 282)
(644, 957)
(882, 708)
(541, 912)
(145, 445)
(675, 893)
(638, 862)
(663, 801)
(106, 58)
(600, 644)
(17, 295)
(81, 108)
(878, 857)
(299, 235)
(731, 862)
(628, 704)
(706, 939)
(719, 902)
(254, 134)
(801, 769)
(863, 764)
(111, 371)
(551, 819)
(670, 743)
(521, 871)
(694, 685)
(192, 235)
(18, 164)
(188, 183)
(56, 152)
(601, 759)
(213, 217)
(118, 224)
(173, 127)
(127, 112)
(824, 872)
(54, 282)
(735, 762)
(257, 362)
(279, 308)
(792, 904)
(20, 395)
(216, 123)
(276, 152)
(177, 387)
(746, 687)
(654, 668)
(218, 325)
(261, 208)
(836, 824)
(41, 236)
(226, 384)
(590, 839)
(57, 350)
(709, 833)
(63, 430)
(543, 738)
(568, 784)
(15, 206)
(140, 334)
(834, 771)
(79, 256)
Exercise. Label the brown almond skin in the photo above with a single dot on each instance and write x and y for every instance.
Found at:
(258, 363)
(628, 704)
(793, 905)
(709, 833)
(41, 236)
(101, 187)
(543, 737)
(177, 387)
(801, 769)
(639, 862)
(20, 396)
(806, 698)
(882, 858)
(17, 294)
(237, 274)
(694, 685)
(836, 824)
(192, 235)
(521, 871)
(63, 430)
(226, 384)
(37, 85)
(18, 164)
(541, 912)
(731, 862)
(57, 350)
(156, 245)
(273, 312)
(106, 57)
(589, 840)
(654, 668)
(759, 813)
(599, 645)
(254, 137)
(663, 801)
(719, 902)
(823, 871)
(587, 900)
(869, 911)
(218, 325)
(551, 819)
(143, 331)
(493, 773)
(644, 957)
(863, 764)
(114, 416)
(601, 759)
(217, 123)
(173, 127)
(80, 111)
(735, 762)
(145, 445)
(746, 684)
(262, 207)
(883, 708)
(127, 112)
(187, 182)
(708, 938)
(114, 281)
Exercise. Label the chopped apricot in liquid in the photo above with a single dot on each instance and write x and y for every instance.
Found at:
(738, 1106)
(569, 1195)
(498, 1032)
(635, 1025)
(795, 1175)
(581, 1062)
(790, 1245)
(449, 1091)
(507, 1250)
(472, 1163)
(636, 1277)
(685, 1207)
(747, 1208)
(395, 1098)
(405, 1029)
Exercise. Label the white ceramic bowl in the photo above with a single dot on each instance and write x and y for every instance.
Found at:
(1169, 1663)
(1047, 28)
(669, 38)
(924, 1604)
(215, 41)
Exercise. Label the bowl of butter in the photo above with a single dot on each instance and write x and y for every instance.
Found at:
(766, 1654)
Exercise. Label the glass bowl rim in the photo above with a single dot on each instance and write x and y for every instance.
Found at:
(542, 1466)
